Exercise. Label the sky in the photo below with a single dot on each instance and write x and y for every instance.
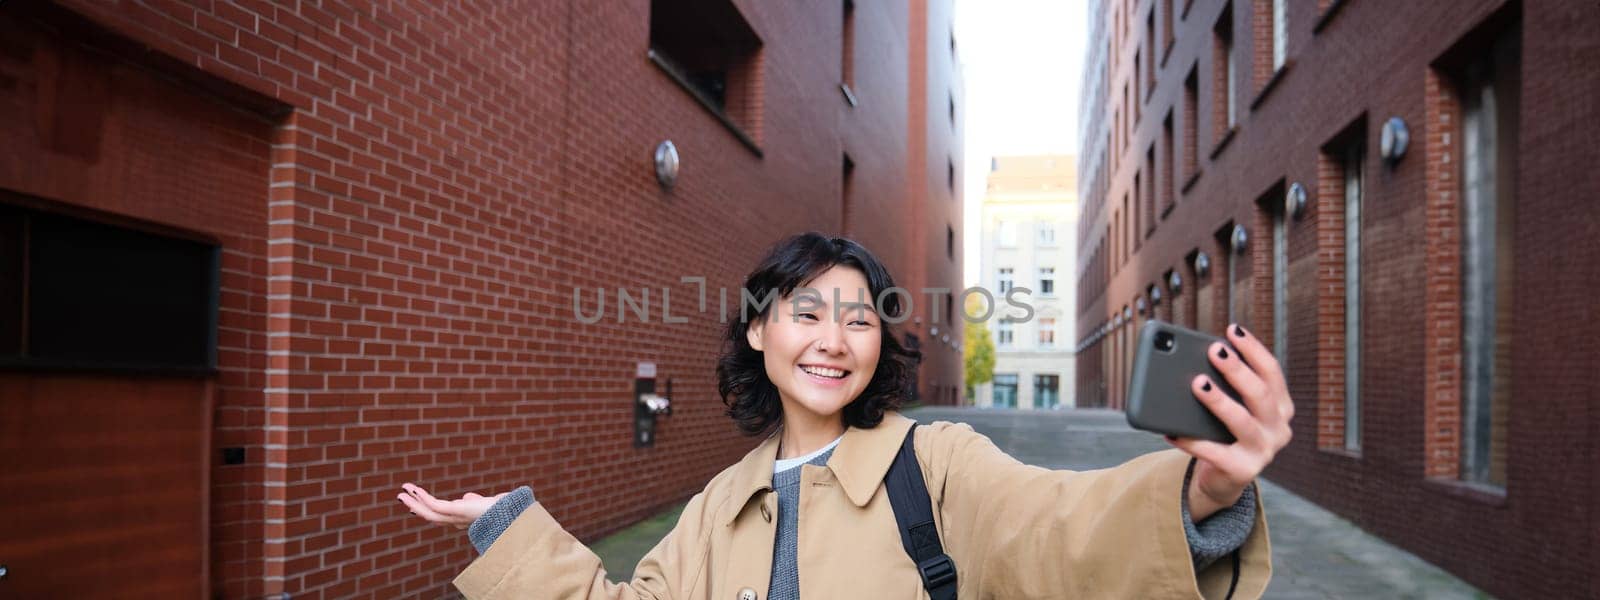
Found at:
(1022, 61)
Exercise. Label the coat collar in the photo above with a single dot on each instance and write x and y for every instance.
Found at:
(859, 462)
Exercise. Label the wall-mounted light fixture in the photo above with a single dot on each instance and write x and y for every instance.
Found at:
(1155, 295)
(1240, 239)
(666, 164)
(1139, 303)
(1294, 201)
(1175, 283)
(1202, 265)
(1394, 139)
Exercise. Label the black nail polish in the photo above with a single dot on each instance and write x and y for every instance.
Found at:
(1205, 387)
(1222, 353)
(1238, 331)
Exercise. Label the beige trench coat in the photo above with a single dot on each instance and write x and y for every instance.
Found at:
(1013, 531)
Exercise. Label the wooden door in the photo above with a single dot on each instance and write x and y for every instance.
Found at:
(102, 486)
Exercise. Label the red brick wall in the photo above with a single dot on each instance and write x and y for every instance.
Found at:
(1365, 63)
(398, 295)
(132, 142)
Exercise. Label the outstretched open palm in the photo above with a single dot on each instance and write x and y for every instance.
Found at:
(460, 513)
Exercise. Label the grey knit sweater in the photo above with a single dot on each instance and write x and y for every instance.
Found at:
(1209, 540)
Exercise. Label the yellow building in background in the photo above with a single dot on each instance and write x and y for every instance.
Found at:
(1029, 224)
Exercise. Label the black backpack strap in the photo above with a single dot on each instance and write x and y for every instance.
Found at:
(913, 510)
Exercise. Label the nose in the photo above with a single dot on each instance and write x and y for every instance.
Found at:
(831, 340)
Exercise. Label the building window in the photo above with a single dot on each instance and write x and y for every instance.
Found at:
(1004, 282)
(846, 177)
(1269, 39)
(1352, 296)
(1047, 332)
(83, 295)
(1280, 33)
(1280, 283)
(950, 179)
(1191, 162)
(847, 46)
(1047, 281)
(1167, 8)
(1168, 170)
(1126, 122)
(1224, 76)
(1488, 99)
(1138, 78)
(710, 50)
(1005, 334)
(1046, 391)
(1005, 390)
(1130, 220)
(1150, 52)
(952, 110)
(1147, 210)
(1008, 234)
(1047, 234)
(950, 242)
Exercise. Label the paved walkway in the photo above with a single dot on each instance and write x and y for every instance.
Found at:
(1315, 553)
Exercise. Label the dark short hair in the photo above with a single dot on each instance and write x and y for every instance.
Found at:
(742, 381)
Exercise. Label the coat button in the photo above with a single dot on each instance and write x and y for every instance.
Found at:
(765, 514)
(747, 594)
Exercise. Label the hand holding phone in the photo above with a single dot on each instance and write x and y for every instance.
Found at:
(1159, 394)
(1223, 401)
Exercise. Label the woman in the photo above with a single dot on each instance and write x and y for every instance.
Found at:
(806, 512)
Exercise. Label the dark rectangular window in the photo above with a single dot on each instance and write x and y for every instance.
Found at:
(707, 47)
(1167, 162)
(1148, 210)
(950, 242)
(1138, 76)
(1191, 161)
(846, 176)
(847, 46)
(950, 176)
(1135, 232)
(1150, 51)
(1047, 391)
(77, 294)
(1167, 9)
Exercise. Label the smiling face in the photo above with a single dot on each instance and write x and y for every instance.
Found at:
(821, 356)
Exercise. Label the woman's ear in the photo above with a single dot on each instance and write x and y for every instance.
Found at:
(753, 334)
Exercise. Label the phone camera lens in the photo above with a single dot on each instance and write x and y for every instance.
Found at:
(1164, 341)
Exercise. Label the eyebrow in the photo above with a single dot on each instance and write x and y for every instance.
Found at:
(823, 303)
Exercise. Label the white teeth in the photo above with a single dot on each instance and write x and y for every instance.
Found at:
(823, 372)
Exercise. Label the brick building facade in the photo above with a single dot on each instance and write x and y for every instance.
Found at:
(1241, 162)
(397, 202)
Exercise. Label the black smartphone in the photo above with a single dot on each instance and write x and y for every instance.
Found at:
(1160, 398)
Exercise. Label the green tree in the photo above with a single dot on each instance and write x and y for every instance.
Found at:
(977, 349)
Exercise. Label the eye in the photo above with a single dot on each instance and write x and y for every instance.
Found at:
(862, 323)
(808, 316)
